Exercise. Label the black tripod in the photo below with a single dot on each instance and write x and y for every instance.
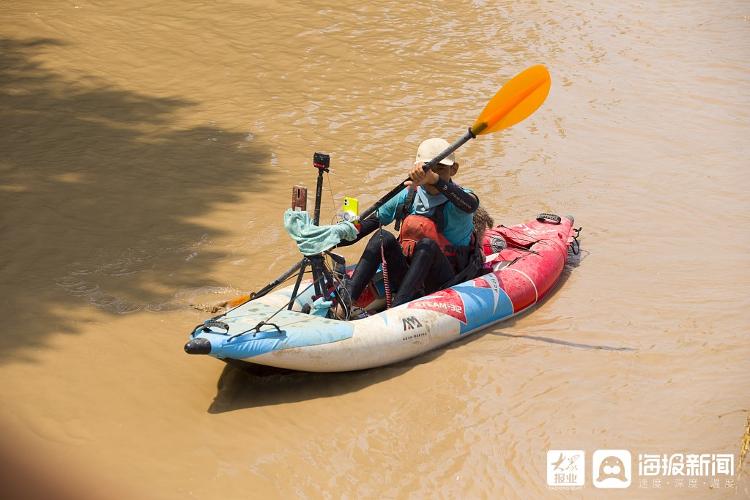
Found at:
(323, 280)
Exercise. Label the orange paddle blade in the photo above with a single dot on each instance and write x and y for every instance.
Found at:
(515, 101)
(238, 301)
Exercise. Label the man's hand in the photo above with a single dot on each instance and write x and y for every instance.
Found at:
(419, 177)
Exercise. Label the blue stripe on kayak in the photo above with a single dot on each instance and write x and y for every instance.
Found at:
(297, 330)
(483, 305)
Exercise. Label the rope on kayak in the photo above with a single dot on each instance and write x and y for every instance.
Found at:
(265, 322)
(521, 236)
(384, 265)
(342, 294)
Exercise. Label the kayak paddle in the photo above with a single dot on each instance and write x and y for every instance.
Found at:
(514, 102)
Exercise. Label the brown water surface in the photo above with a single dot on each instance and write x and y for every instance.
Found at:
(147, 154)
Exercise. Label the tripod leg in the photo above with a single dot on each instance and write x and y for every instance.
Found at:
(316, 261)
(303, 265)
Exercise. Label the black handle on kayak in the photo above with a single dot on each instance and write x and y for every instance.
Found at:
(427, 166)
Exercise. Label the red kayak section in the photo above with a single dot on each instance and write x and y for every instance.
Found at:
(532, 260)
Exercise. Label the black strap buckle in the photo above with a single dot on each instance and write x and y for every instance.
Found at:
(575, 246)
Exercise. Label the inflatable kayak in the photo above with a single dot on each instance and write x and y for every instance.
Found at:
(522, 264)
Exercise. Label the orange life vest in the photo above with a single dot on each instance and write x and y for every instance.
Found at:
(415, 227)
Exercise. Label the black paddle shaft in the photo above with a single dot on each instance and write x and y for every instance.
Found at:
(427, 166)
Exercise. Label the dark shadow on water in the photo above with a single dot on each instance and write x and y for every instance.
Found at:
(97, 180)
(245, 385)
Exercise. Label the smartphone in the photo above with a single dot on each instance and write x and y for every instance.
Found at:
(350, 208)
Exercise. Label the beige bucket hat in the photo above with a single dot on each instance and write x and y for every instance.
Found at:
(430, 148)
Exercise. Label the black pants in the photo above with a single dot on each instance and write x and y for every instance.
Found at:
(428, 268)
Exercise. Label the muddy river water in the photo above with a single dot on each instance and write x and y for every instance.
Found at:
(147, 153)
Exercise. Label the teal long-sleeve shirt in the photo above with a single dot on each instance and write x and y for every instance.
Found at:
(458, 223)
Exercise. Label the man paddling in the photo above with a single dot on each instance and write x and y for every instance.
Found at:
(434, 246)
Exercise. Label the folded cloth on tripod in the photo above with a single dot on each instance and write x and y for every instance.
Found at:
(312, 239)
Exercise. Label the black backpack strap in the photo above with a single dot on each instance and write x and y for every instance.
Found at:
(405, 208)
(471, 260)
(438, 215)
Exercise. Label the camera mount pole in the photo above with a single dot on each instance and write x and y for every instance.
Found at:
(321, 161)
